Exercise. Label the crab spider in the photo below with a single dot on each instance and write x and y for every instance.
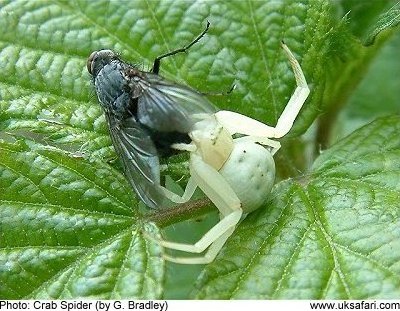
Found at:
(236, 174)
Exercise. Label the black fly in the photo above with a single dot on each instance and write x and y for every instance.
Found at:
(146, 114)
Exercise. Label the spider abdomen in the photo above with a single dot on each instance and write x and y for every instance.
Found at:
(250, 171)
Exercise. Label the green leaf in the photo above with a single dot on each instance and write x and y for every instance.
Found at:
(45, 44)
(331, 234)
(386, 22)
(364, 16)
(69, 229)
(380, 85)
(376, 19)
(46, 95)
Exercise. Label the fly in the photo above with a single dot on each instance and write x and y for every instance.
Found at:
(146, 114)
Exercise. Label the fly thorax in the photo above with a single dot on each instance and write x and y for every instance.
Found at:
(136, 81)
(109, 84)
(213, 141)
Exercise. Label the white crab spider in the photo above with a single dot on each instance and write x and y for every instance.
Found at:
(236, 174)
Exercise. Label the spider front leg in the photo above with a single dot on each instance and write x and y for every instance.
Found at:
(191, 185)
(225, 199)
(187, 195)
(237, 123)
(265, 141)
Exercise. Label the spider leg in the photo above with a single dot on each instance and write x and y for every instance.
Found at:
(292, 109)
(237, 123)
(265, 141)
(221, 194)
(209, 255)
(191, 185)
(189, 191)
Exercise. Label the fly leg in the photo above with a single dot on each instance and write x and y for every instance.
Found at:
(157, 61)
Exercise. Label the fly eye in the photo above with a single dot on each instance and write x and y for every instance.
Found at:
(99, 59)
(89, 63)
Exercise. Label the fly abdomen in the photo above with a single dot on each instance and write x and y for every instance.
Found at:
(164, 140)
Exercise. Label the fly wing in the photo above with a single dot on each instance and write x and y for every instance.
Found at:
(165, 106)
(139, 158)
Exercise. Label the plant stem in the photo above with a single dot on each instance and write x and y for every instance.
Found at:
(167, 216)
